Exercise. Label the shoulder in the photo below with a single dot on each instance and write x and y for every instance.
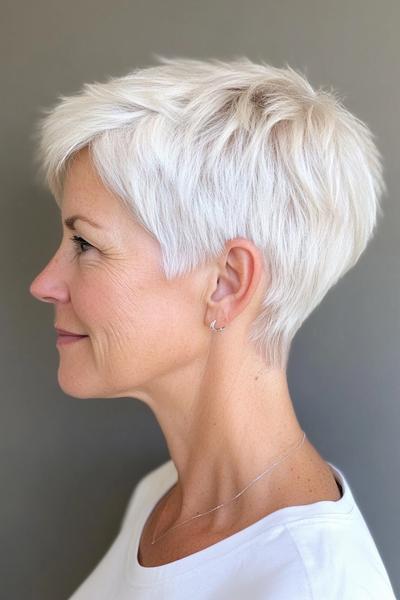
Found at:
(339, 554)
(310, 559)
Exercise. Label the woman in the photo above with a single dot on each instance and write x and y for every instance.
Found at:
(207, 208)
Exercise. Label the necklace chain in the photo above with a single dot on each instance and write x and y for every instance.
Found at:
(229, 501)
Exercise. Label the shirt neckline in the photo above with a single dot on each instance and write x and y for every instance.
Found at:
(138, 575)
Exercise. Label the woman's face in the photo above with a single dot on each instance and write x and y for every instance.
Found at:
(108, 284)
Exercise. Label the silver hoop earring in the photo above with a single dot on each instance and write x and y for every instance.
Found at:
(212, 326)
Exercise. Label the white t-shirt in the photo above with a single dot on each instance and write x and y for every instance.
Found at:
(319, 551)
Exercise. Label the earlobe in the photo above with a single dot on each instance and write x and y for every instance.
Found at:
(214, 328)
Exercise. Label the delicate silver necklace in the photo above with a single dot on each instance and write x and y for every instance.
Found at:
(234, 498)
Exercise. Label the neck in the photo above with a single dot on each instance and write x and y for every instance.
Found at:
(239, 424)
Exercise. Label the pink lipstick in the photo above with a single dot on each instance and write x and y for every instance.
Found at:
(67, 337)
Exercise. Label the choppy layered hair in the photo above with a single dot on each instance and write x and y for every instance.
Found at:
(203, 151)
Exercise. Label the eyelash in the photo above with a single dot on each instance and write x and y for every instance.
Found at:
(79, 242)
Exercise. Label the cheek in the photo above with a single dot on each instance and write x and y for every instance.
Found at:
(108, 306)
(170, 327)
(162, 330)
(144, 323)
(157, 320)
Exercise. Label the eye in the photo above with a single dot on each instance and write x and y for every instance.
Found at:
(80, 243)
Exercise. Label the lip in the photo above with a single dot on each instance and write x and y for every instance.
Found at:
(69, 339)
(64, 332)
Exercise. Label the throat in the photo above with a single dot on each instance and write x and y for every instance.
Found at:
(306, 480)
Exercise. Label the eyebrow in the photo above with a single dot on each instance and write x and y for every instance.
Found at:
(71, 220)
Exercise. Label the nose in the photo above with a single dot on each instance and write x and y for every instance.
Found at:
(49, 285)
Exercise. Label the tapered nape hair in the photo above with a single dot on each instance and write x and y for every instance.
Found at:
(203, 151)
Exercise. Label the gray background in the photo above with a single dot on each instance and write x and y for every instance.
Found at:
(68, 466)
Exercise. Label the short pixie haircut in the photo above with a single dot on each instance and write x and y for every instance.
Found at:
(204, 151)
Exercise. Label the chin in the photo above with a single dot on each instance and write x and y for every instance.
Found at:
(81, 387)
(71, 385)
(73, 391)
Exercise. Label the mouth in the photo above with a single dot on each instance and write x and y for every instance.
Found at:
(68, 337)
(65, 332)
(63, 339)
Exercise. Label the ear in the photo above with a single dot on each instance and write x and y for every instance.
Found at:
(240, 276)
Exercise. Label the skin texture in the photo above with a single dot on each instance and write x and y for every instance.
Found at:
(224, 416)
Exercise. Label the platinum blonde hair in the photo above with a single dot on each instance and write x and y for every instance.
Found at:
(204, 151)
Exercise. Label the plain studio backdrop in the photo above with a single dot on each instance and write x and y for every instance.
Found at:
(68, 466)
